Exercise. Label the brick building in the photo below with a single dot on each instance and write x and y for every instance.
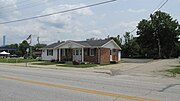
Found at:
(92, 51)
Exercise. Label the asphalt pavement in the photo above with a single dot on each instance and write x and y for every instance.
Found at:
(37, 84)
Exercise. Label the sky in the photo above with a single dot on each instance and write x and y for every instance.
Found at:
(111, 19)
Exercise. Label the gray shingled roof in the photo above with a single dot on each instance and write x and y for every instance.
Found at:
(88, 43)
(93, 42)
(53, 45)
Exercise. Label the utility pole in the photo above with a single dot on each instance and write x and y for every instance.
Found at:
(158, 42)
(159, 48)
(4, 40)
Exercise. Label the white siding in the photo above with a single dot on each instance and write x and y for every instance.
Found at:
(111, 45)
(45, 57)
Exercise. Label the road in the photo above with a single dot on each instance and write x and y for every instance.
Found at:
(35, 84)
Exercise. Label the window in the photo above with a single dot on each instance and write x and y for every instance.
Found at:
(77, 52)
(86, 52)
(50, 52)
(92, 51)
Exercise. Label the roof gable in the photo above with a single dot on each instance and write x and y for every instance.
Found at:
(69, 44)
(53, 45)
(112, 45)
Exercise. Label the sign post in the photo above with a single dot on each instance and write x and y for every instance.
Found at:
(27, 51)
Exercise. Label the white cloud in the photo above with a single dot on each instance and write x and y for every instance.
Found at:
(85, 11)
(7, 11)
(49, 29)
(95, 33)
(123, 27)
(65, 23)
(5, 3)
(136, 11)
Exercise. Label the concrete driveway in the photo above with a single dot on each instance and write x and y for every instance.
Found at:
(139, 67)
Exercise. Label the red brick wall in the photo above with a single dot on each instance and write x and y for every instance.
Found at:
(115, 55)
(88, 58)
(105, 56)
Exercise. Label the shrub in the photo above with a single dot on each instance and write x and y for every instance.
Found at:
(53, 60)
(62, 62)
(75, 63)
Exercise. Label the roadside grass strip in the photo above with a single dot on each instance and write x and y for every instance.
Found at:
(68, 65)
(16, 60)
(116, 95)
(78, 66)
(45, 63)
(174, 71)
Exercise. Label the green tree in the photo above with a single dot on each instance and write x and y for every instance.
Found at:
(117, 40)
(36, 50)
(23, 47)
(130, 48)
(37, 47)
(158, 37)
(15, 46)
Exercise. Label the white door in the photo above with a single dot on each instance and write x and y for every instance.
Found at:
(77, 55)
(119, 56)
(111, 55)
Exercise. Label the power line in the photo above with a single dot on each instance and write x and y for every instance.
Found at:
(27, 6)
(157, 9)
(162, 5)
(45, 15)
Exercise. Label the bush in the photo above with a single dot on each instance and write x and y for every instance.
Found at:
(61, 62)
(53, 60)
(75, 63)
(57, 60)
(30, 57)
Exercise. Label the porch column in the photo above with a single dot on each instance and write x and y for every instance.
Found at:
(82, 58)
(59, 54)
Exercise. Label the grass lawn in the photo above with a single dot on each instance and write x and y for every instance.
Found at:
(46, 63)
(80, 66)
(174, 71)
(16, 60)
(68, 65)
